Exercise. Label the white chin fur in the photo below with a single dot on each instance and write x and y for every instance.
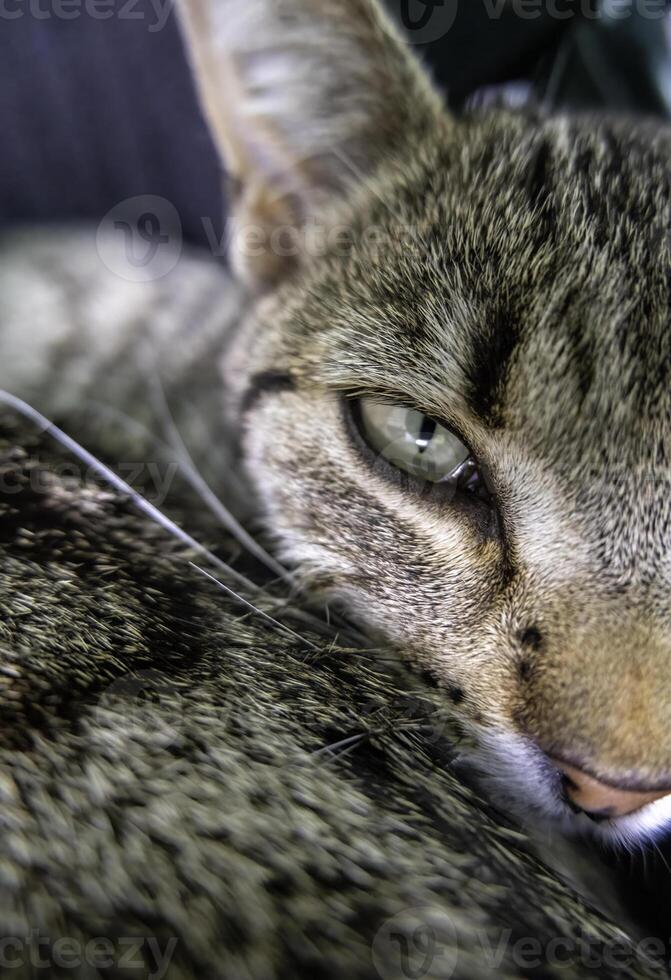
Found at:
(518, 777)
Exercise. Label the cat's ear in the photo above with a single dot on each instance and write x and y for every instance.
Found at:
(303, 98)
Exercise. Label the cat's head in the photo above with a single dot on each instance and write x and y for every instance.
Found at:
(455, 388)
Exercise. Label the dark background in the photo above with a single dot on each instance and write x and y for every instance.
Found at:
(95, 111)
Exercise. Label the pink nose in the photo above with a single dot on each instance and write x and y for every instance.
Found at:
(599, 799)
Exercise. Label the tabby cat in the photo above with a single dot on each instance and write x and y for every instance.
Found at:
(445, 370)
(457, 413)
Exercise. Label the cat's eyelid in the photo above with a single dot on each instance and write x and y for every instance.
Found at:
(403, 400)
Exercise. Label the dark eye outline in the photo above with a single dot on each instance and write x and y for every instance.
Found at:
(470, 490)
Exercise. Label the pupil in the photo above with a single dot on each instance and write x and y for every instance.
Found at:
(426, 432)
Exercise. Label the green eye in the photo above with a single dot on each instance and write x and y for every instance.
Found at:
(414, 442)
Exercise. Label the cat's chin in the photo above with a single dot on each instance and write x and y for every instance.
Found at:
(519, 779)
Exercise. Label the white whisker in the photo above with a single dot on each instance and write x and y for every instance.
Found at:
(205, 492)
(162, 520)
(253, 608)
(352, 740)
(114, 480)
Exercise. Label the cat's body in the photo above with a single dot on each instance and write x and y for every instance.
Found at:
(498, 282)
(174, 797)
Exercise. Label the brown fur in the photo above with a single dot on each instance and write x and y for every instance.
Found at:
(516, 287)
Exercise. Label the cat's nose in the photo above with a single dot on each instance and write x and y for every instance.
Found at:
(601, 801)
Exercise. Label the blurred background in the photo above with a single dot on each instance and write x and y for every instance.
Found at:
(97, 106)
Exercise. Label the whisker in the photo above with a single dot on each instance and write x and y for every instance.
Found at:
(295, 591)
(114, 480)
(157, 516)
(253, 608)
(335, 757)
(353, 739)
(661, 854)
(205, 492)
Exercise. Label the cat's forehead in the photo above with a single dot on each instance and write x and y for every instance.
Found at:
(525, 278)
(577, 287)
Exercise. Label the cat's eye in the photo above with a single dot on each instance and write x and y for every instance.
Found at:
(418, 445)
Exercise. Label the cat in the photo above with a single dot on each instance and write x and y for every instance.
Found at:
(412, 381)
(455, 402)
(189, 790)
(449, 386)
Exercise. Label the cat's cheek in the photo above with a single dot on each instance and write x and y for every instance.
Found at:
(412, 575)
(294, 472)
